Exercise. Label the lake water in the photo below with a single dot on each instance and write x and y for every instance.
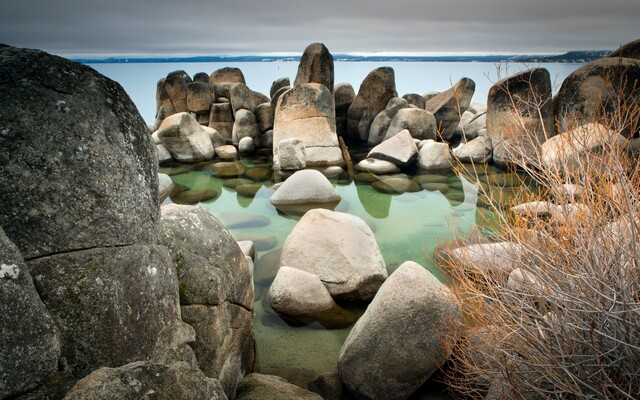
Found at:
(407, 226)
(139, 79)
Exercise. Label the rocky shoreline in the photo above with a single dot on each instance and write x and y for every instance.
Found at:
(105, 294)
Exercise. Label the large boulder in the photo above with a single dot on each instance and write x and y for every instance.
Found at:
(374, 94)
(216, 291)
(476, 151)
(307, 112)
(142, 380)
(381, 122)
(629, 50)
(222, 79)
(343, 95)
(602, 90)
(316, 66)
(200, 95)
(278, 84)
(113, 305)
(269, 387)
(185, 138)
(421, 124)
(244, 98)
(221, 119)
(30, 346)
(403, 337)
(175, 84)
(340, 249)
(244, 126)
(520, 114)
(400, 149)
(434, 156)
(264, 116)
(448, 106)
(304, 190)
(77, 165)
(495, 259)
(291, 154)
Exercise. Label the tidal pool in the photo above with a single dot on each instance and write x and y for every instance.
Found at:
(407, 226)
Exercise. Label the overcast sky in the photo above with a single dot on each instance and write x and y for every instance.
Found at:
(231, 27)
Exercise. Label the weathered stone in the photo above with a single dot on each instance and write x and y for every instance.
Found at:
(221, 119)
(165, 186)
(201, 77)
(245, 125)
(200, 95)
(497, 259)
(262, 241)
(375, 92)
(163, 154)
(598, 91)
(515, 106)
(415, 99)
(113, 305)
(142, 379)
(477, 151)
(243, 98)
(316, 66)
(266, 139)
(376, 166)
(421, 124)
(276, 96)
(629, 50)
(291, 154)
(175, 84)
(30, 345)
(248, 189)
(210, 266)
(400, 149)
(268, 387)
(191, 197)
(226, 169)
(304, 190)
(448, 106)
(248, 249)
(227, 152)
(307, 112)
(246, 145)
(77, 165)
(235, 220)
(279, 84)
(343, 95)
(266, 267)
(475, 125)
(396, 184)
(214, 136)
(264, 116)
(434, 156)
(259, 174)
(381, 122)
(405, 335)
(221, 79)
(300, 298)
(339, 248)
(185, 139)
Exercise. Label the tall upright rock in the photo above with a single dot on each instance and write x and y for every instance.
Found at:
(447, 107)
(316, 66)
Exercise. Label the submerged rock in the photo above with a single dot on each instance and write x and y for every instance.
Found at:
(339, 248)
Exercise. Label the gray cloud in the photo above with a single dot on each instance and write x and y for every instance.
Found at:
(75, 27)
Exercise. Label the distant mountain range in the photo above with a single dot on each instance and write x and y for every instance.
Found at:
(569, 57)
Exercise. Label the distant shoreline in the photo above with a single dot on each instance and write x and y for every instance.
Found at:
(569, 57)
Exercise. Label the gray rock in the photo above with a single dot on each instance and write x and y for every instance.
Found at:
(214, 135)
(381, 122)
(430, 95)
(185, 139)
(165, 186)
(269, 387)
(434, 156)
(629, 50)
(376, 166)
(340, 249)
(279, 84)
(343, 95)
(316, 66)
(415, 99)
(399, 149)
(404, 336)
(78, 167)
(30, 346)
(227, 152)
(448, 106)
(222, 79)
(221, 119)
(497, 259)
(421, 124)
(475, 125)
(266, 139)
(248, 249)
(477, 151)
(244, 98)
(595, 92)
(163, 154)
(291, 154)
(264, 116)
(304, 190)
(514, 107)
(246, 145)
(200, 95)
(300, 298)
(244, 126)
(201, 77)
(376, 90)
(307, 112)
(113, 305)
(276, 96)
(141, 380)
(175, 84)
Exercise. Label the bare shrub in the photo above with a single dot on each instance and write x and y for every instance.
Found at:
(565, 322)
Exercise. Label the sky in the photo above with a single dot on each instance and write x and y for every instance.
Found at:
(87, 28)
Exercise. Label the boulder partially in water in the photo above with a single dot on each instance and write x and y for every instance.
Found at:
(404, 336)
(340, 249)
(185, 138)
(400, 149)
(343, 95)
(304, 190)
(478, 151)
(77, 166)
(448, 106)
(434, 156)
(30, 346)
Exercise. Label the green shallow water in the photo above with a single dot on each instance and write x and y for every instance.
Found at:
(407, 226)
